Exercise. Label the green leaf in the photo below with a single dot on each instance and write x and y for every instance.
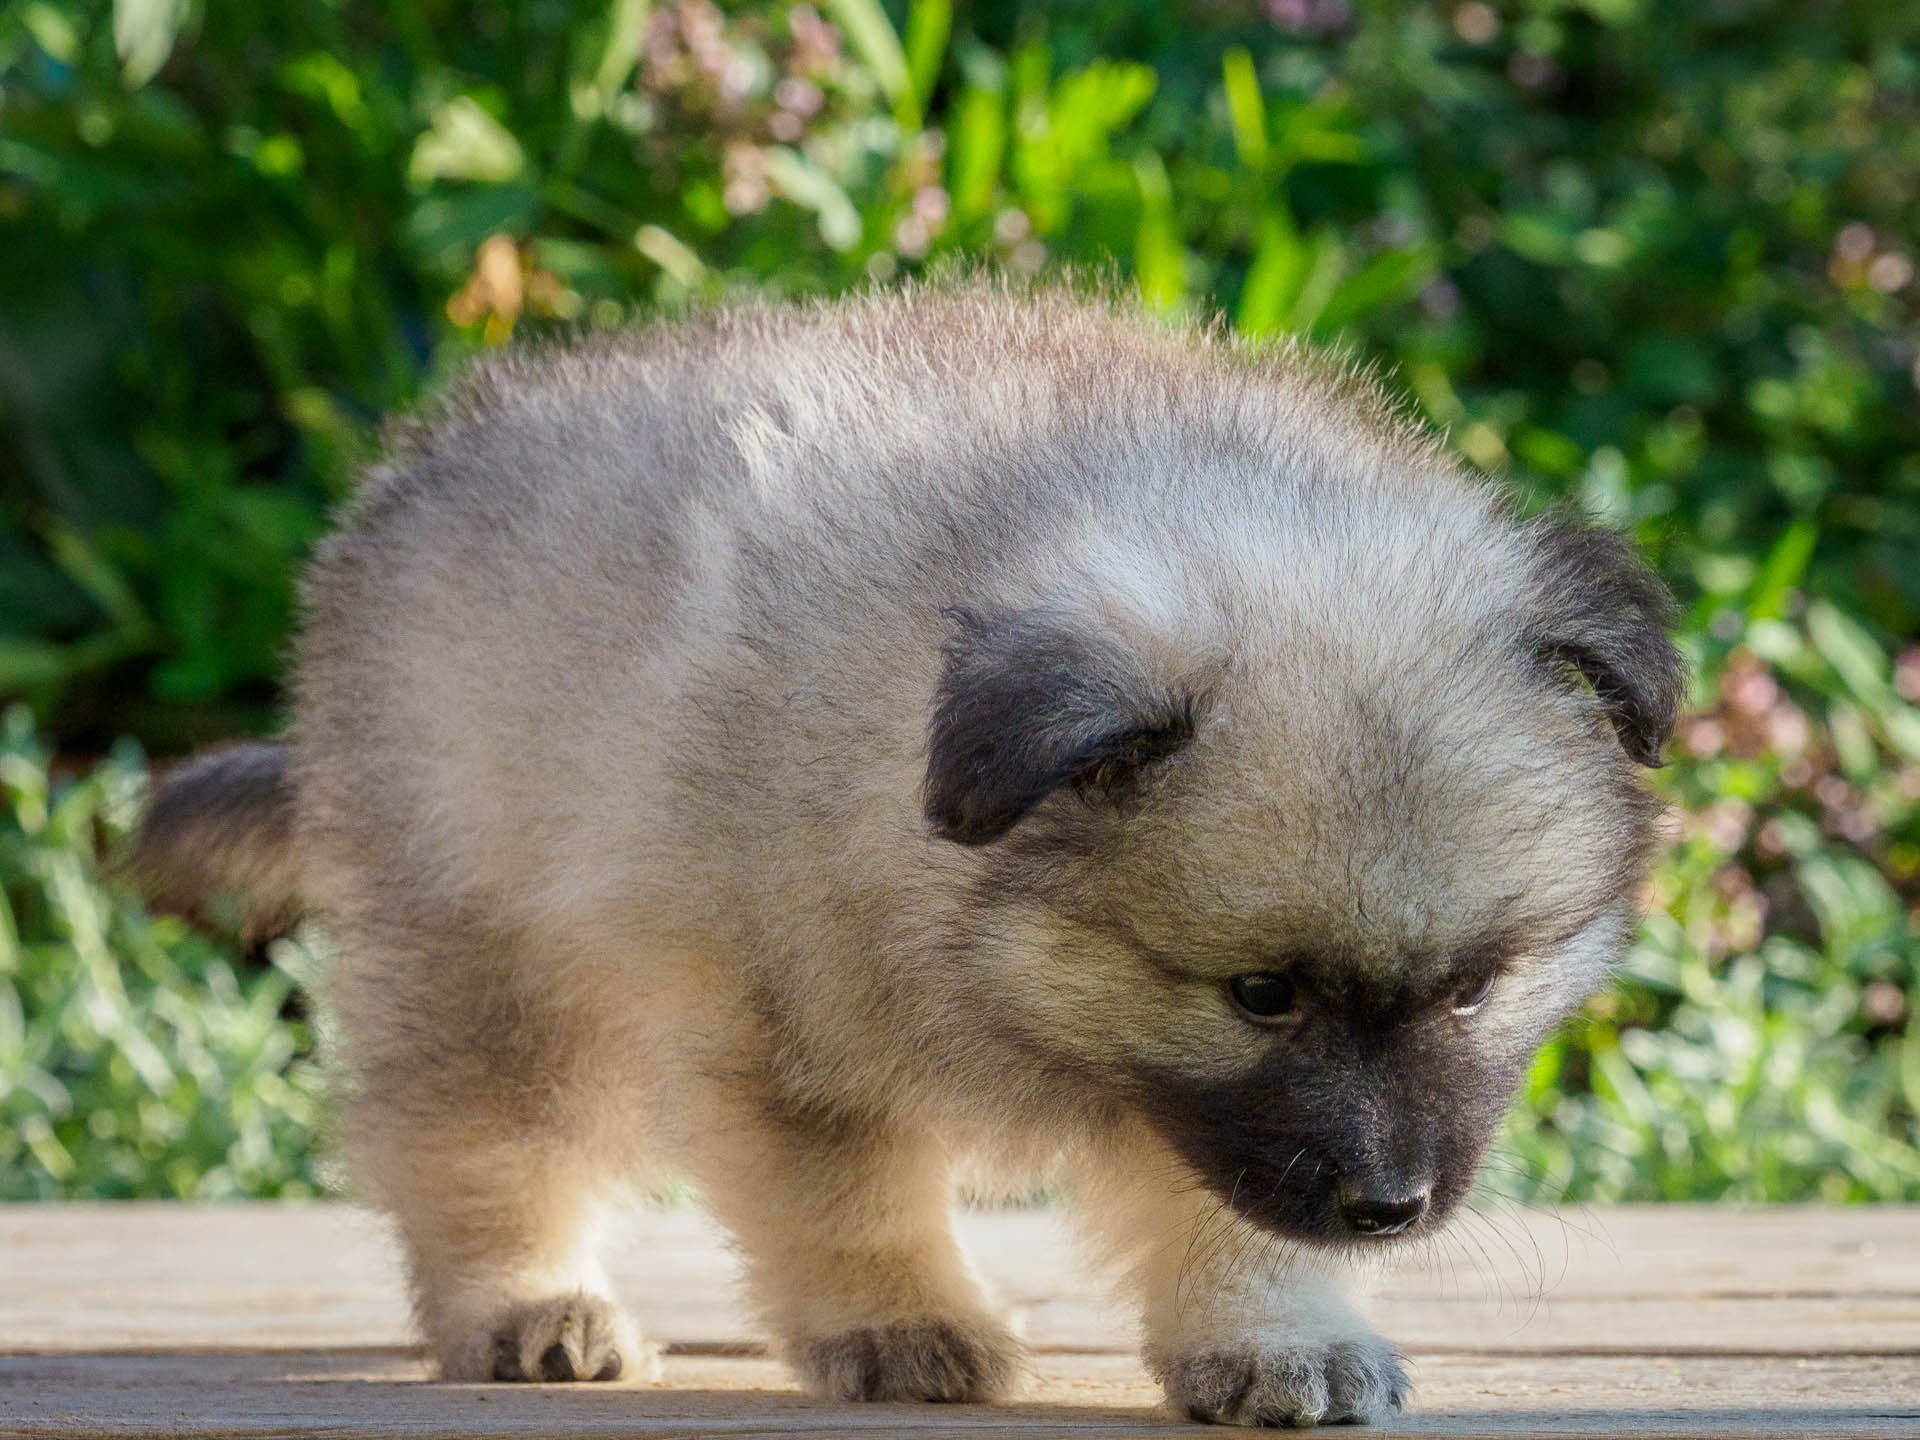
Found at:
(671, 254)
(446, 226)
(143, 36)
(1902, 726)
(791, 174)
(29, 665)
(871, 34)
(977, 142)
(1159, 259)
(465, 143)
(1781, 573)
(1274, 278)
(1328, 260)
(1847, 647)
(53, 30)
(1385, 278)
(1543, 239)
(1245, 107)
(626, 33)
(83, 563)
(1548, 451)
(928, 24)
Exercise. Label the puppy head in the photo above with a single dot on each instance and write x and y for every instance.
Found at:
(1304, 884)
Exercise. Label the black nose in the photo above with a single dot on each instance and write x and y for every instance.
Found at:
(1381, 1214)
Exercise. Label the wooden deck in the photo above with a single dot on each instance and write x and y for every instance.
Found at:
(278, 1320)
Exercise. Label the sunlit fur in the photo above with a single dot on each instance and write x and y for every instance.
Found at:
(818, 751)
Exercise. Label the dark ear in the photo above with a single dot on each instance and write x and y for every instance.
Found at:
(1606, 614)
(1028, 703)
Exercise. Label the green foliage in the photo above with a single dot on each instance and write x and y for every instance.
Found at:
(1651, 257)
(1764, 1042)
(136, 1058)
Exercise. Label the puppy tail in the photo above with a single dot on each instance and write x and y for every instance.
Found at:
(217, 843)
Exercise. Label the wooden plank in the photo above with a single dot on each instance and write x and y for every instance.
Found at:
(360, 1393)
(1662, 1280)
(278, 1320)
(1681, 1250)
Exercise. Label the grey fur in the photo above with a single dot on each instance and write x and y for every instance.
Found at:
(216, 845)
(644, 696)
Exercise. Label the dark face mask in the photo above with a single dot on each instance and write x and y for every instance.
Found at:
(1349, 1130)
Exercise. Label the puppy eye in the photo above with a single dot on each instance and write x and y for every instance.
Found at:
(1264, 996)
(1473, 996)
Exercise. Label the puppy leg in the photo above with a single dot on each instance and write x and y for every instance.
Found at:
(1240, 1326)
(851, 1258)
(499, 1232)
(482, 1116)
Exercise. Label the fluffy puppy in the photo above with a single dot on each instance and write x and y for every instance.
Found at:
(809, 749)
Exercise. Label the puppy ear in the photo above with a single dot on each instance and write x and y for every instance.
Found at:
(1028, 703)
(1606, 614)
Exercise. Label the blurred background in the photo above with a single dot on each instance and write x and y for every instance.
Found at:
(1658, 257)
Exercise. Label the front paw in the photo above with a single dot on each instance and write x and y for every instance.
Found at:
(1353, 1381)
(936, 1359)
(580, 1336)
